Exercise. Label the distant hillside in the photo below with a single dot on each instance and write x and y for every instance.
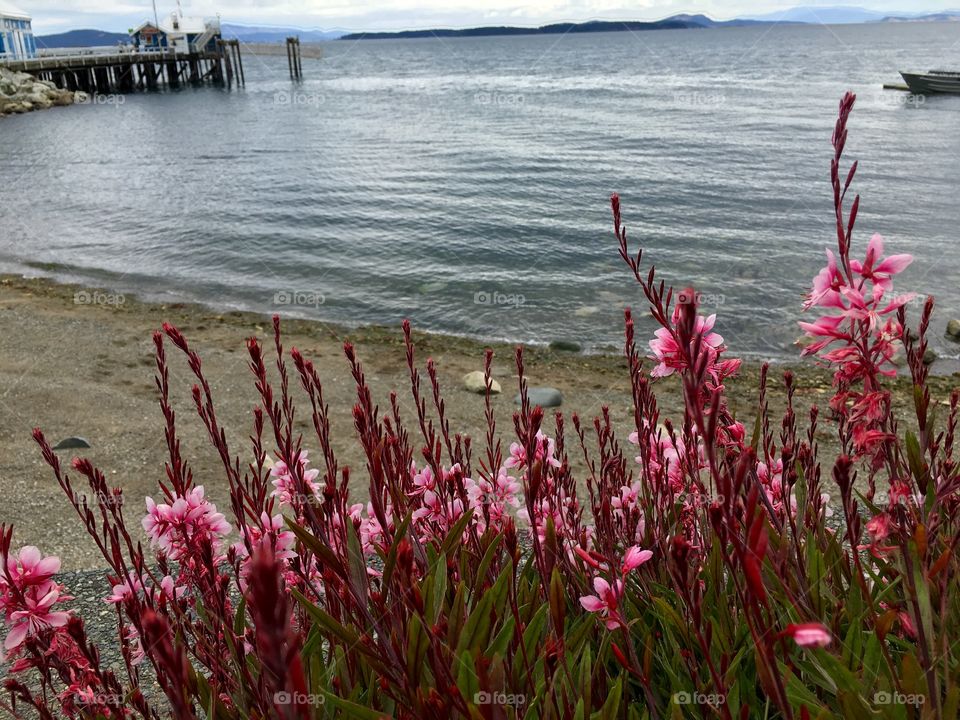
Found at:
(949, 16)
(81, 38)
(270, 34)
(677, 22)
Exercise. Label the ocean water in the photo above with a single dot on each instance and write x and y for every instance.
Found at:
(465, 183)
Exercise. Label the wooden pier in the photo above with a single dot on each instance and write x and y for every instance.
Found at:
(126, 72)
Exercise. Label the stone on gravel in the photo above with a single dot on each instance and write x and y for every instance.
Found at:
(565, 346)
(543, 396)
(930, 357)
(71, 443)
(476, 382)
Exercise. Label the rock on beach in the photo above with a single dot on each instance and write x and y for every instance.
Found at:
(545, 397)
(953, 330)
(476, 382)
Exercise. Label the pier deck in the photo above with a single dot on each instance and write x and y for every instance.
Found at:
(105, 72)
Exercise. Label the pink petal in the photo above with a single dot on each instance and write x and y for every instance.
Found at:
(810, 635)
(15, 636)
(57, 619)
(49, 565)
(592, 603)
(894, 264)
(875, 249)
(29, 556)
(601, 586)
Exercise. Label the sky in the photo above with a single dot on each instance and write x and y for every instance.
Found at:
(119, 15)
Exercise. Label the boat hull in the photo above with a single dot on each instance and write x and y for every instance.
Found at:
(932, 83)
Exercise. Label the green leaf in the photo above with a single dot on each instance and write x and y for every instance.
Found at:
(467, 681)
(316, 547)
(612, 705)
(353, 709)
(418, 642)
(347, 635)
(455, 536)
(586, 678)
(438, 589)
(501, 643)
(915, 458)
(488, 558)
(358, 563)
(477, 628)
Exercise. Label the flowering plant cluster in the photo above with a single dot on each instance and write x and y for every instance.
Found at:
(694, 571)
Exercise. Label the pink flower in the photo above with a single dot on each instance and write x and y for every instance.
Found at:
(546, 448)
(35, 615)
(372, 535)
(435, 517)
(286, 489)
(123, 590)
(634, 558)
(878, 268)
(605, 602)
(667, 352)
(29, 567)
(176, 529)
(424, 479)
(865, 326)
(810, 635)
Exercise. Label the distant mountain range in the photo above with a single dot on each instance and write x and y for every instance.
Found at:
(81, 38)
(676, 22)
(798, 16)
(99, 38)
(271, 34)
(268, 34)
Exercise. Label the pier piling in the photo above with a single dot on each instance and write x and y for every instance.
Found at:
(293, 58)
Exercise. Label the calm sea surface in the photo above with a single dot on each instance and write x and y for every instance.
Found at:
(465, 183)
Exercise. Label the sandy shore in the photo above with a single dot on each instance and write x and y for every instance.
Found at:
(88, 370)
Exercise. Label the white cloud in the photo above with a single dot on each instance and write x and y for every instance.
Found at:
(58, 15)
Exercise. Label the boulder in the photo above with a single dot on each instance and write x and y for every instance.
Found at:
(21, 92)
(63, 97)
(476, 382)
(930, 357)
(953, 330)
(545, 397)
(40, 101)
(565, 346)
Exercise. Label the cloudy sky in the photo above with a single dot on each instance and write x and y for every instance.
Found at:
(118, 15)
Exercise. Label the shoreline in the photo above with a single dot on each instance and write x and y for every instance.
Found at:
(87, 370)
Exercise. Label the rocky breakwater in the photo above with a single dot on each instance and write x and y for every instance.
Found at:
(22, 92)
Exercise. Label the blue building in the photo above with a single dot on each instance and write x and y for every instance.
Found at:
(16, 34)
(178, 33)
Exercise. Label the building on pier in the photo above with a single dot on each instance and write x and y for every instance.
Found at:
(180, 33)
(16, 34)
